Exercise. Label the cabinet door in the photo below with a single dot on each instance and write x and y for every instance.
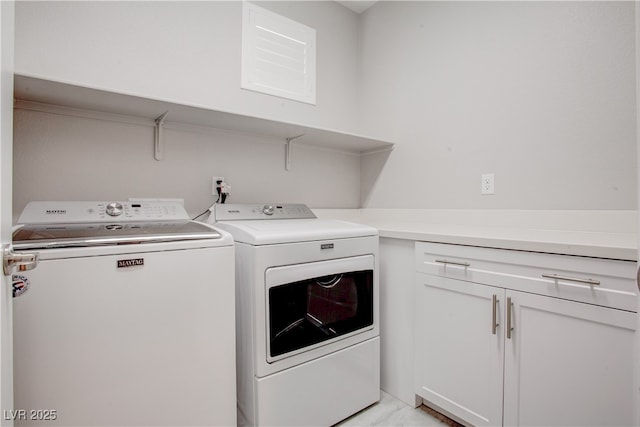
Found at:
(459, 359)
(568, 363)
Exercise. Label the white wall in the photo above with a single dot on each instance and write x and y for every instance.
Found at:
(540, 93)
(636, 373)
(186, 52)
(397, 318)
(7, 11)
(69, 158)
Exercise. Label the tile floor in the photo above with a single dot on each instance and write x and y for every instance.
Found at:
(390, 411)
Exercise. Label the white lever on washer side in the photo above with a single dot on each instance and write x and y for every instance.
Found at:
(22, 262)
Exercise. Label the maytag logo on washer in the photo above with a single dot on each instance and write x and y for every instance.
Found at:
(134, 262)
(326, 246)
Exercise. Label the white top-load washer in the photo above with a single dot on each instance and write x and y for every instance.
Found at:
(127, 318)
(307, 314)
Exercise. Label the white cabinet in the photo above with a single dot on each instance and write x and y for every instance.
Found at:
(568, 363)
(496, 343)
(458, 362)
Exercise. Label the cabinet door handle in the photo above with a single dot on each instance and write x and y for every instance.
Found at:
(571, 279)
(446, 261)
(509, 326)
(494, 314)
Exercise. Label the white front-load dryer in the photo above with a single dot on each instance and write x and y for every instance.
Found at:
(307, 315)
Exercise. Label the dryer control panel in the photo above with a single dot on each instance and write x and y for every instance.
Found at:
(47, 212)
(233, 212)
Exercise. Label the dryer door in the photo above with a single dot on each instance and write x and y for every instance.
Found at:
(310, 305)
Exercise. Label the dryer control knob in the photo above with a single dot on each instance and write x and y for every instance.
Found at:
(115, 209)
(267, 210)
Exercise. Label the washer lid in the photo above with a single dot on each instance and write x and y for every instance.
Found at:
(260, 232)
(49, 236)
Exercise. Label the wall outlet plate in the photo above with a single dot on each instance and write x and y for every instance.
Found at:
(487, 184)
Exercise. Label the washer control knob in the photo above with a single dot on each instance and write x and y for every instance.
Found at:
(115, 209)
(267, 210)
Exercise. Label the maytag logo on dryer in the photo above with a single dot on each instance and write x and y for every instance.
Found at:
(134, 262)
(55, 211)
(324, 246)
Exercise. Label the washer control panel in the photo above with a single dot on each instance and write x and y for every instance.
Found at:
(233, 212)
(81, 212)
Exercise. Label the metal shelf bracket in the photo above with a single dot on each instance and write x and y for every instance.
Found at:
(287, 151)
(158, 142)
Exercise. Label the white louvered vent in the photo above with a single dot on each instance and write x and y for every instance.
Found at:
(278, 55)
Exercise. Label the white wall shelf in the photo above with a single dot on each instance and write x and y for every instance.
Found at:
(48, 92)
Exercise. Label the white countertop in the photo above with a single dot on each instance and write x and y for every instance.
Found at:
(601, 234)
